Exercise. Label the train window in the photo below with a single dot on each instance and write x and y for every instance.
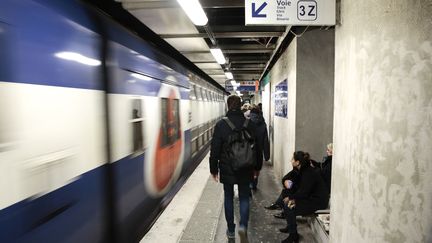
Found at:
(170, 121)
(192, 95)
(176, 119)
(198, 91)
(194, 134)
(137, 126)
(204, 94)
(164, 116)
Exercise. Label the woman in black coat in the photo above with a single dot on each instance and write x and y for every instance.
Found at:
(262, 142)
(311, 195)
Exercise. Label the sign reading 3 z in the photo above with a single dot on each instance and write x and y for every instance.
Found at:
(290, 12)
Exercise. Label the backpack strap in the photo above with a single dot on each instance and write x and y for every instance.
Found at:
(230, 124)
(246, 123)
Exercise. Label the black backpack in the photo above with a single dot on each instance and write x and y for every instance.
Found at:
(239, 150)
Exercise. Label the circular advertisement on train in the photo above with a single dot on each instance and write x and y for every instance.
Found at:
(165, 156)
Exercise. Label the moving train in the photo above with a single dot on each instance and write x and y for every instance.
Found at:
(98, 128)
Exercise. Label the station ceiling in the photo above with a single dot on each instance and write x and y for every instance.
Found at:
(248, 49)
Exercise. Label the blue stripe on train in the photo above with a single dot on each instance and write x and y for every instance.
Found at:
(77, 211)
(36, 35)
(136, 210)
(35, 40)
(72, 213)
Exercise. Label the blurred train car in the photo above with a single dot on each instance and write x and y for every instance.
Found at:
(98, 129)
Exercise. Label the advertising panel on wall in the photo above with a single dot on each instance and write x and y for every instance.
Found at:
(281, 99)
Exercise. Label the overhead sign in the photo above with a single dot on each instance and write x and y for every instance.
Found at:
(249, 85)
(290, 12)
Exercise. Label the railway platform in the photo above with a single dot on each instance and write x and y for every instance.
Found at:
(196, 213)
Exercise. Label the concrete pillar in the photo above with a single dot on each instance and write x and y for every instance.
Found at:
(315, 85)
(382, 169)
(284, 128)
(308, 67)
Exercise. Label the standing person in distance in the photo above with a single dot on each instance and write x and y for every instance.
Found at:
(327, 166)
(223, 170)
(262, 142)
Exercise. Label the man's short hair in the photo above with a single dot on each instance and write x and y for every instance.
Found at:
(233, 102)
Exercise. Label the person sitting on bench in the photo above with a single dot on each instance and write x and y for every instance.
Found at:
(311, 195)
(290, 185)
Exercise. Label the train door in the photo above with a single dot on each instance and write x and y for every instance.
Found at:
(168, 155)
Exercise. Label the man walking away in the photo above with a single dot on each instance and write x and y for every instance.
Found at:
(262, 142)
(226, 170)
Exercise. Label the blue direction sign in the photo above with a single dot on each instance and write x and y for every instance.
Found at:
(290, 12)
(256, 12)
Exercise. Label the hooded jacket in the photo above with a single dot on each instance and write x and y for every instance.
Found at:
(220, 136)
(312, 193)
(262, 140)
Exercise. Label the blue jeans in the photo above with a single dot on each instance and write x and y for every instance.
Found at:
(279, 200)
(254, 184)
(290, 216)
(244, 191)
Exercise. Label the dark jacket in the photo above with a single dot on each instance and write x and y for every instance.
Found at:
(262, 140)
(326, 172)
(293, 176)
(312, 193)
(220, 136)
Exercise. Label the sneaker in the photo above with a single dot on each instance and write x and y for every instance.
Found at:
(242, 231)
(284, 230)
(230, 235)
(279, 215)
(274, 206)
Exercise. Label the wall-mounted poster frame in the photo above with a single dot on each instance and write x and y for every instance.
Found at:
(281, 99)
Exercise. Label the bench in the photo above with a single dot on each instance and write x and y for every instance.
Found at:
(318, 227)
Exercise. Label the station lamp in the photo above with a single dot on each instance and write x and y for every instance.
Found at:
(229, 75)
(218, 55)
(194, 11)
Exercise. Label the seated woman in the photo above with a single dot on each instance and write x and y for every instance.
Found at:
(326, 166)
(290, 185)
(310, 196)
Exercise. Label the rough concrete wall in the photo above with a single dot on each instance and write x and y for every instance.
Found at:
(315, 85)
(266, 103)
(382, 170)
(284, 128)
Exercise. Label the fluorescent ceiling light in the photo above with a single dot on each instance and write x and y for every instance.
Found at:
(76, 57)
(229, 75)
(140, 76)
(218, 55)
(194, 11)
